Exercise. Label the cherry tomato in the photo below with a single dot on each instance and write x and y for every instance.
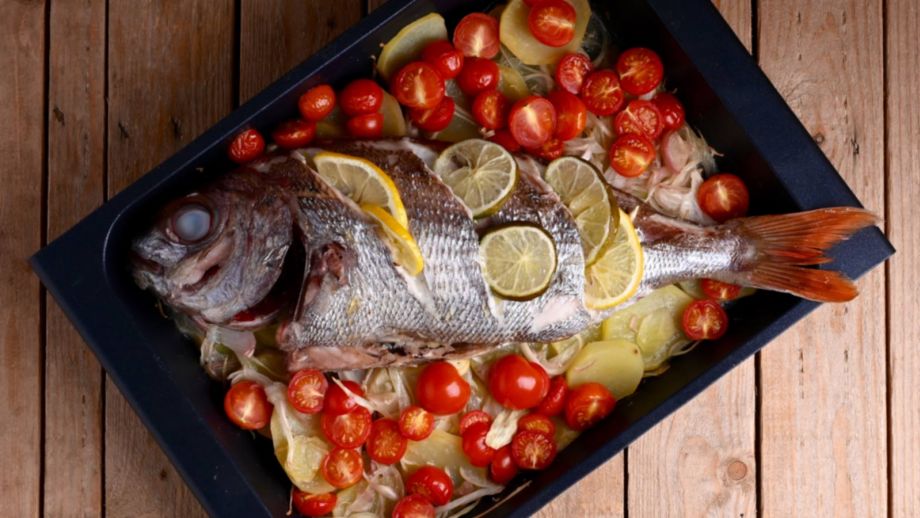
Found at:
(718, 290)
(294, 133)
(503, 138)
(360, 97)
(536, 423)
(385, 444)
(313, 505)
(477, 36)
(490, 109)
(572, 71)
(416, 423)
(704, 320)
(432, 483)
(342, 467)
(441, 390)
(307, 390)
(554, 401)
(672, 111)
(640, 70)
(434, 119)
(503, 468)
(247, 406)
(338, 402)
(413, 506)
(552, 22)
(446, 59)
(531, 3)
(347, 430)
(418, 85)
(246, 145)
(630, 154)
(478, 75)
(533, 450)
(516, 383)
(601, 92)
(571, 114)
(369, 125)
(532, 121)
(723, 197)
(587, 404)
(475, 447)
(316, 103)
(473, 417)
(641, 118)
(550, 150)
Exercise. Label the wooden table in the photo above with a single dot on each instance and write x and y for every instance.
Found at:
(824, 422)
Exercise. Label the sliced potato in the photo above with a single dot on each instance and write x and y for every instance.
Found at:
(515, 33)
(394, 123)
(441, 449)
(409, 43)
(333, 125)
(616, 364)
(512, 84)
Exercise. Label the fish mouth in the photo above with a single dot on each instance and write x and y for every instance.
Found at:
(281, 296)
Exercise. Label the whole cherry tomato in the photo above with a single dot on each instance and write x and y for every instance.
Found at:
(723, 197)
(718, 290)
(640, 117)
(631, 154)
(418, 85)
(472, 417)
(316, 103)
(572, 71)
(369, 125)
(247, 145)
(385, 444)
(503, 469)
(413, 506)
(441, 390)
(313, 505)
(516, 383)
(337, 401)
(602, 93)
(306, 391)
(360, 97)
(640, 70)
(490, 109)
(532, 121)
(478, 75)
(247, 405)
(342, 467)
(704, 320)
(672, 111)
(552, 22)
(587, 404)
(537, 423)
(474, 445)
(477, 36)
(347, 430)
(294, 133)
(533, 450)
(554, 401)
(446, 59)
(571, 114)
(416, 423)
(431, 482)
(504, 138)
(434, 119)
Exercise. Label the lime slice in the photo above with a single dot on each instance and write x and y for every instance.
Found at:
(362, 181)
(616, 275)
(405, 250)
(518, 261)
(479, 172)
(409, 43)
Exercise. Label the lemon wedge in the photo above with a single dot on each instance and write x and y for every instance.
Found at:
(616, 274)
(362, 181)
(518, 261)
(405, 250)
(409, 43)
(481, 173)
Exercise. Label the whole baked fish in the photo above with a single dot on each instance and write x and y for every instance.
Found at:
(272, 241)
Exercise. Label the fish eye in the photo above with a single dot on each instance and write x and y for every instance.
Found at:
(192, 222)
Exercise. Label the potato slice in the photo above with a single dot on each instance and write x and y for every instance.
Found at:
(616, 364)
(515, 34)
(394, 123)
(409, 43)
(512, 84)
(440, 449)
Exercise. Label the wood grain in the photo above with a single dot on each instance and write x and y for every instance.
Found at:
(823, 383)
(76, 161)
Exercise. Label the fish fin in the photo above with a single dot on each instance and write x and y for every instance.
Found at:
(783, 245)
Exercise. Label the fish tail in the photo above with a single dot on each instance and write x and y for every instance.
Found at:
(784, 245)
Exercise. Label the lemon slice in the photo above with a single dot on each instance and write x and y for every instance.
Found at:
(518, 261)
(397, 237)
(409, 43)
(584, 191)
(479, 172)
(616, 275)
(362, 181)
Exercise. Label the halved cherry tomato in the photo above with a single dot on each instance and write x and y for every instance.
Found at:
(550, 150)
(587, 404)
(432, 483)
(516, 383)
(572, 71)
(704, 320)
(416, 423)
(554, 401)
(601, 92)
(536, 423)
(317, 102)
(552, 22)
(490, 109)
(369, 125)
(571, 114)
(639, 117)
(640, 70)
(294, 133)
(630, 154)
(342, 467)
(446, 59)
(532, 121)
(477, 36)
(385, 444)
(313, 505)
(723, 197)
(434, 119)
(247, 406)
(418, 85)
(672, 111)
(533, 450)
(473, 417)
(478, 75)
(441, 390)
(347, 430)
(718, 290)
(413, 506)
(503, 468)
(247, 145)
(475, 447)
(503, 138)
(339, 402)
(361, 96)
(307, 390)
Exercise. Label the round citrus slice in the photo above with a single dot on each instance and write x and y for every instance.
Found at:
(405, 250)
(481, 173)
(616, 274)
(362, 181)
(518, 261)
(409, 42)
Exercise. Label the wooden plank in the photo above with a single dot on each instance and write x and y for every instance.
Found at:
(823, 383)
(22, 59)
(903, 127)
(373, 4)
(170, 77)
(76, 160)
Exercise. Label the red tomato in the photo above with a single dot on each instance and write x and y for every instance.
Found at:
(601, 92)
(723, 197)
(307, 390)
(704, 320)
(504, 138)
(554, 401)
(313, 505)
(473, 417)
(531, 3)
(432, 483)
(478, 75)
(550, 150)
(360, 97)
(641, 118)
(640, 70)
(718, 290)
(342, 467)
(347, 430)
(587, 404)
(536, 423)
(447, 60)
(246, 145)
(477, 36)
(294, 133)
(532, 121)
(533, 450)
(247, 406)
(418, 85)
(337, 401)
(516, 383)
(630, 155)
(571, 114)
(490, 109)
(434, 119)
(441, 390)
(385, 444)
(672, 111)
(416, 423)
(413, 506)
(571, 72)
(552, 22)
(317, 102)
(503, 468)
(475, 447)
(369, 125)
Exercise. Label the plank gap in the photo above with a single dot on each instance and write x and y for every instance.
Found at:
(235, 88)
(43, 240)
(886, 197)
(103, 401)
